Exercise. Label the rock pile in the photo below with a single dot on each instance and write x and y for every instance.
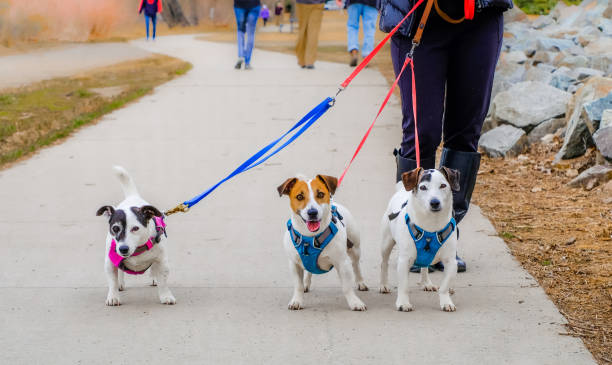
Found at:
(554, 78)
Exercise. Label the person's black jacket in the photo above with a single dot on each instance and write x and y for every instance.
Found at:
(393, 11)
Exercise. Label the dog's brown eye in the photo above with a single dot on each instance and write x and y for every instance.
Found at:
(320, 195)
(134, 229)
(300, 197)
(442, 186)
(423, 187)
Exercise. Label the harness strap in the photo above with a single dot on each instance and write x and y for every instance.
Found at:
(446, 17)
(419, 33)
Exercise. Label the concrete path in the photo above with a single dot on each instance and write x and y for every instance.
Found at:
(22, 69)
(229, 271)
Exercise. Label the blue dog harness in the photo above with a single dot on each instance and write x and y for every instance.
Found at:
(428, 243)
(310, 247)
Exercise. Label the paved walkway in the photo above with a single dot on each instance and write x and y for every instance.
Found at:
(229, 271)
(21, 69)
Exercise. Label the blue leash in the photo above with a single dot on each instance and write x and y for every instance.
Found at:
(262, 155)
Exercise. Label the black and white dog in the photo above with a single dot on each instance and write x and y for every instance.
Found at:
(134, 242)
(419, 218)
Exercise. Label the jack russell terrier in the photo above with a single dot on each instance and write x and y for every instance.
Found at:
(320, 235)
(419, 218)
(134, 242)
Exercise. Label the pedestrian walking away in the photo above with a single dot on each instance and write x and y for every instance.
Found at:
(247, 13)
(368, 13)
(310, 16)
(150, 8)
(278, 14)
(454, 67)
(265, 14)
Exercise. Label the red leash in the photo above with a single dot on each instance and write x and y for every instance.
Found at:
(361, 66)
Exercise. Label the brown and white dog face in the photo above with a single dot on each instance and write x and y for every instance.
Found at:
(432, 188)
(310, 199)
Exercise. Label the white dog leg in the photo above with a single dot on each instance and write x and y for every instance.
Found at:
(153, 279)
(425, 282)
(355, 253)
(347, 279)
(386, 247)
(297, 301)
(113, 284)
(450, 271)
(121, 275)
(403, 269)
(160, 271)
(307, 280)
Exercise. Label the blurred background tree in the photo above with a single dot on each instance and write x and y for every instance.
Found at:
(541, 6)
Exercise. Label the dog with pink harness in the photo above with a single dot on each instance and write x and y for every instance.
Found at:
(134, 243)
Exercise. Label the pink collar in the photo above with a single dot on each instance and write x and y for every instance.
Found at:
(117, 260)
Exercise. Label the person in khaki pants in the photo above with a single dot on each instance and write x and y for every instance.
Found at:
(310, 15)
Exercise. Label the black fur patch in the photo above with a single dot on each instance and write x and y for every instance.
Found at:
(117, 220)
(392, 216)
(349, 244)
(145, 214)
(426, 176)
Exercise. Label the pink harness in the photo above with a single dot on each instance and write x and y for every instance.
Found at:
(117, 260)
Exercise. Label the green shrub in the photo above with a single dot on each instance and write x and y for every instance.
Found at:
(540, 6)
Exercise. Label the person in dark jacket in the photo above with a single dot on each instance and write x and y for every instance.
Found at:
(150, 8)
(247, 13)
(454, 67)
(366, 10)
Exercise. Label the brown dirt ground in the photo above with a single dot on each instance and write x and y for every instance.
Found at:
(561, 235)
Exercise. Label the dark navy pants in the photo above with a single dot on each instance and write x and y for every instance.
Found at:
(454, 68)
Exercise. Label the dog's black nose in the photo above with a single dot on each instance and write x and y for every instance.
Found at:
(312, 213)
(435, 204)
(124, 249)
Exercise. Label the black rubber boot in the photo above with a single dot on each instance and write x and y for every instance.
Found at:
(404, 165)
(467, 163)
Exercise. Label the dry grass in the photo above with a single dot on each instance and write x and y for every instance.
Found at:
(42, 113)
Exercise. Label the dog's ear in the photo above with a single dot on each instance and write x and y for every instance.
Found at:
(107, 210)
(329, 181)
(285, 187)
(452, 176)
(411, 178)
(150, 211)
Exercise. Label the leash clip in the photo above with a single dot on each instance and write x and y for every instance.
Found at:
(414, 46)
(333, 101)
(183, 208)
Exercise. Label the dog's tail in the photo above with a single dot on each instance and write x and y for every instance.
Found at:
(127, 184)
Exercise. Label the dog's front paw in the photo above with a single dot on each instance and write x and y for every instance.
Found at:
(446, 304)
(404, 307)
(112, 300)
(357, 305)
(362, 286)
(384, 289)
(167, 299)
(295, 305)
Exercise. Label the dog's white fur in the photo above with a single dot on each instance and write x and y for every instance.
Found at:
(136, 235)
(335, 254)
(396, 231)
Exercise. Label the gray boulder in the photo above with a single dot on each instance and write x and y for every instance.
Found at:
(554, 44)
(547, 127)
(603, 141)
(503, 141)
(515, 57)
(592, 177)
(562, 78)
(577, 137)
(529, 103)
(573, 61)
(538, 74)
(606, 119)
(542, 21)
(595, 109)
(584, 72)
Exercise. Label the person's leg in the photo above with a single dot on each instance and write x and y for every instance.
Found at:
(147, 25)
(430, 77)
(352, 26)
(470, 80)
(303, 12)
(154, 23)
(241, 29)
(312, 33)
(370, 15)
(251, 25)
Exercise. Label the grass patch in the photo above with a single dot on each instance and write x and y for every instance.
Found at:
(541, 6)
(507, 235)
(40, 114)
